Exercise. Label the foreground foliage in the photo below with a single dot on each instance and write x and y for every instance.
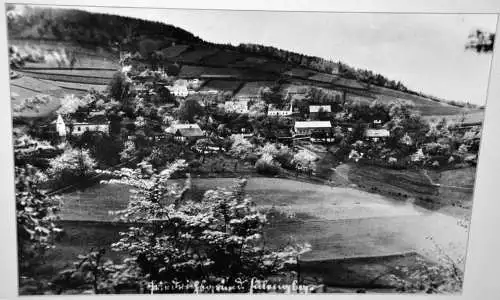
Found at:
(218, 239)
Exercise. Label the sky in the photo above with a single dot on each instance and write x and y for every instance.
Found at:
(425, 51)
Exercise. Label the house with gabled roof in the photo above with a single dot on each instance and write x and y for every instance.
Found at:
(185, 132)
(94, 123)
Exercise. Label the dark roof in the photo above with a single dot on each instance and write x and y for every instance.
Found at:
(190, 132)
(97, 120)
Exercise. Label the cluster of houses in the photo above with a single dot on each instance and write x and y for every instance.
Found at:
(315, 122)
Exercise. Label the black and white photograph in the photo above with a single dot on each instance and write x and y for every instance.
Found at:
(204, 151)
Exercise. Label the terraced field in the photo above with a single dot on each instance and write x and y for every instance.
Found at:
(300, 72)
(223, 58)
(221, 85)
(173, 51)
(253, 88)
(78, 87)
(25, 87)
(87, 72)
(467, 116)
(195, 56)
(75, 77)
(198, 71)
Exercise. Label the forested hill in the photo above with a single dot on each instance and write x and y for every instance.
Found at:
(89, 28)
(169, 45)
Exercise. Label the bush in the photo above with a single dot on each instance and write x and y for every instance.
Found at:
(119, 86)
(72, 166)
(266, 165)
(285, 157)
(195, 164)
(252, 158)
(241, 148)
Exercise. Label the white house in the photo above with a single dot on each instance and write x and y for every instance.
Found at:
(307, 127)
(240, 107)
(185, 132)
(178, 90)
(82, 127)
(277, 112)
(318, 108)
(79, 128)
(377, 133)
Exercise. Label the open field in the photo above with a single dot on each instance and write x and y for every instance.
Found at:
(198, 71)
(338, 222)
(273, 67)
(82, 62)
(195, 56)
(98, 80)
(323, 77)
(251, 62)
(75, 86)
(356, 237)
(80, 237)
(26, 87)
(468, 117)
(173, 51)
(73, 72)
(253, 88)
(86, 56)
(222, 85)
(223, 58)
(425, 105)
(300, 72)
(415, 186)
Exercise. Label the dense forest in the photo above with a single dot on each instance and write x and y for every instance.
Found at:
(87, 28)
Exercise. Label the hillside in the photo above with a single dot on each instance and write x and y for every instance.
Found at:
(87, 47)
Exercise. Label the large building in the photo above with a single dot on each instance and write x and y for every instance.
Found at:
(309, 127)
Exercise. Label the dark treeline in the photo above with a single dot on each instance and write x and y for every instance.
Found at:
(88, 28)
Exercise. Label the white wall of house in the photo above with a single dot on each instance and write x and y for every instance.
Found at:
(308, 127)
(60, 126)
(81, 128)
(178, 90)
(279, 113)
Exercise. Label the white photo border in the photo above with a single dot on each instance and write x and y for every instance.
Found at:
(482, 265)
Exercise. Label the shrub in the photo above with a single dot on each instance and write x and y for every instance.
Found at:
(285, 157)
(72, 165)
(241, 147)
(266, 165)
(119, 86)
(252, 158)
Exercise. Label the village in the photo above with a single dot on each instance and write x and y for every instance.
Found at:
(313, 124)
